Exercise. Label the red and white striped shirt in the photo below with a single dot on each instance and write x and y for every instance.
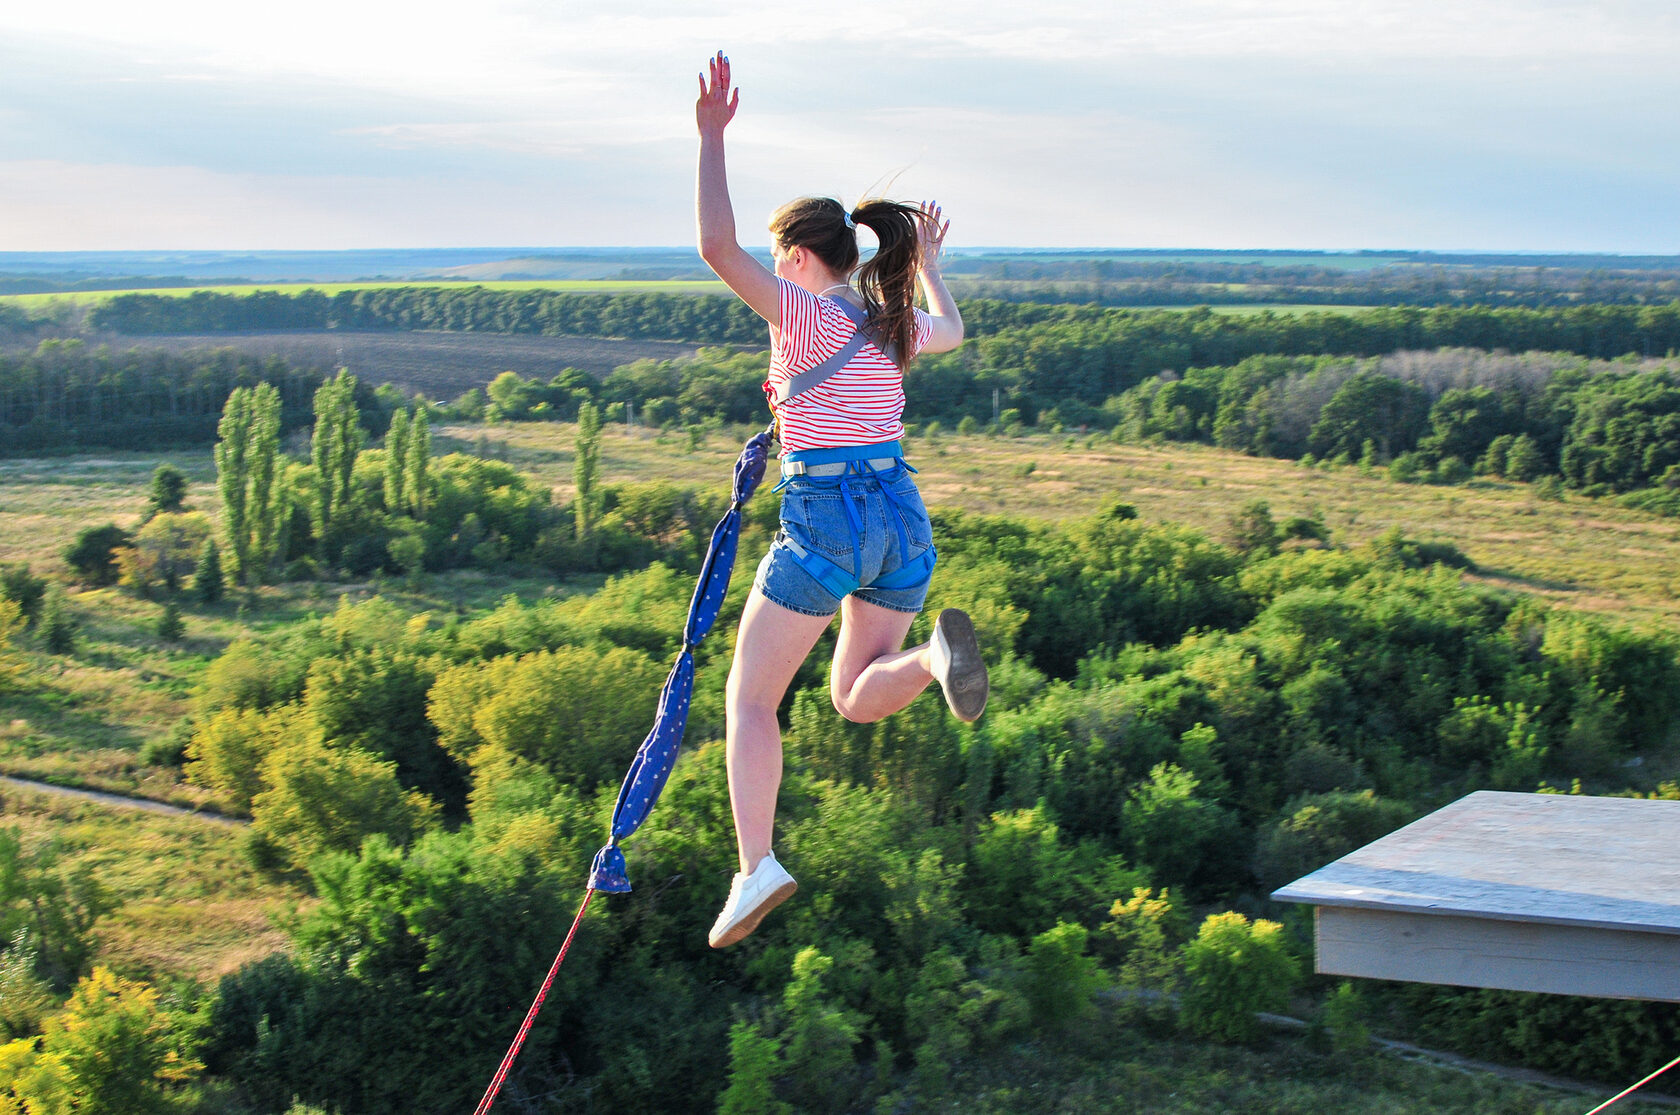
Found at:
(861, 404)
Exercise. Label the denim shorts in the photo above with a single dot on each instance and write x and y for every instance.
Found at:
(813, 516)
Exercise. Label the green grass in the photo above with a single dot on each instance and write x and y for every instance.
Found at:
(1114, 1066)
(190, 903)
(1579, 553)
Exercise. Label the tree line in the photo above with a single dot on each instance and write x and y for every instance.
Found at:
(66, 395)
(1422, 280)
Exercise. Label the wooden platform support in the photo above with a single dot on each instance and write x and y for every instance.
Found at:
(1526, 892)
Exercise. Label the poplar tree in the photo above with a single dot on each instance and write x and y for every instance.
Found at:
(337, 440)
(586, 468)
(232, 477)
(416, 476)
(396, 462)
(250, 480)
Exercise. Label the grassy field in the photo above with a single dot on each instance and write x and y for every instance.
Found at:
(190, 904)
(1578, 553)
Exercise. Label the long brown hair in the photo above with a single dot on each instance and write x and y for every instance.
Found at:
(888, 281)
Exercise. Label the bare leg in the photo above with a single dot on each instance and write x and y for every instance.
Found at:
(872, 678)
(769, 648)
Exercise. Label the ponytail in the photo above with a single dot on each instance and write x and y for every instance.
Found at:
(888, 281)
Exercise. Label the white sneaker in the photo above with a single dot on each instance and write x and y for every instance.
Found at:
(954, 656)
(750, 898)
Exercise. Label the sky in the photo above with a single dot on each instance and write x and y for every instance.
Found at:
(1452, 125)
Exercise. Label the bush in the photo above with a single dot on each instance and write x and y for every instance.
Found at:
(92, 558)
(55, 628)
(1060, 980)
(170, 626)
(1232, 970)
(24, 589)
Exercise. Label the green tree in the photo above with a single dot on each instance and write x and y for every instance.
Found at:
(1061, 982)
(1253, 530)
(417, 472)
(113, 1051)
(1523, 460)
(56, 628)
(1139, 932)
(586, 469)
(55, 908)
(167, 547)
(170, 627)
(207, 574)
(13, 666)
(821, 1031)
(24, 589)
(1233, 970)
(1185, 839)
(337, 441)
(1370, 407)
(167, 493)
(329, 799)
(250, 478)
(577, 710)
(754, 1064)
(91, 557)
(396, 461)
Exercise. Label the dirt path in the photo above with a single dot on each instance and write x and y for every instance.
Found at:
(117, 799)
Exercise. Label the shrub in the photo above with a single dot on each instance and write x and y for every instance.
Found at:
(92, 558)
(24, 589)
(1061, 982)
(1232, 970)
(55, 627)
(170, 626)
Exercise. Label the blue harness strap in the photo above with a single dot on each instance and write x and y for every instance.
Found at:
(834, 577)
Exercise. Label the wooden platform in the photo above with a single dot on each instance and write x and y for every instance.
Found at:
(1527, 892)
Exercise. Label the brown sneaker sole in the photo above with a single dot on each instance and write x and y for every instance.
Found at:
(743, 929)
(968, 684)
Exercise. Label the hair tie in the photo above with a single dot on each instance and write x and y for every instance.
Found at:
(847, 217)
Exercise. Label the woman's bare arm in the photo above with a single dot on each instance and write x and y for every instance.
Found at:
(714, 215)
(947, 321)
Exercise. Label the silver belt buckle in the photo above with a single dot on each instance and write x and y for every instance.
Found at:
(793, 468)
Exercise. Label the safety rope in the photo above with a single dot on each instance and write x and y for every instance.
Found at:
(531, 1016)
(1635, 1088)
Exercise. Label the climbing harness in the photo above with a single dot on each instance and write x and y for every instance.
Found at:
(658, 751)
(855, 461)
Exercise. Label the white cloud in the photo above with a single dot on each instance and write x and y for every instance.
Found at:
(1542, 123)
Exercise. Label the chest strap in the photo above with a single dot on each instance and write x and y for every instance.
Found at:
(864, 331)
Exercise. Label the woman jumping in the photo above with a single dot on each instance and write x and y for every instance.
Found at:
(855, 538)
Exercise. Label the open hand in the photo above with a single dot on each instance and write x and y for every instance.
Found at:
(931, 236)
(716, 107)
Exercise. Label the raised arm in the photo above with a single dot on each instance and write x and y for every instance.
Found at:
(947, 321)
(714, 216)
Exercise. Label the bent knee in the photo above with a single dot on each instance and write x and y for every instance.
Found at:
(853, 712)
